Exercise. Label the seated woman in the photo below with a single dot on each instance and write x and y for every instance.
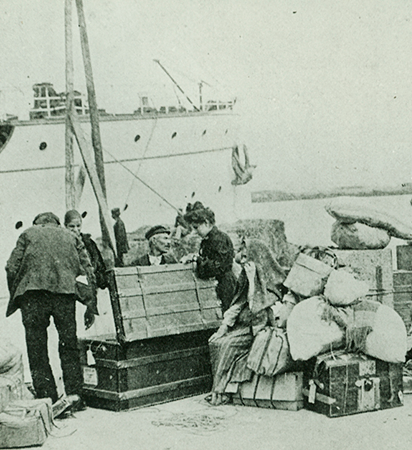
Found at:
(257, 289)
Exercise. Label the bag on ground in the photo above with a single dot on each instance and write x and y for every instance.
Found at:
(25, 423)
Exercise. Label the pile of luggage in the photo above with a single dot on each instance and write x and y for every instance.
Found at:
(336, 349)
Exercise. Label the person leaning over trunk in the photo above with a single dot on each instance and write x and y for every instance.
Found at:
(41, 277)
(215, 259)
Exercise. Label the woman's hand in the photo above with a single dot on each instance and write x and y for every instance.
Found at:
(223, 329)
(189, 258)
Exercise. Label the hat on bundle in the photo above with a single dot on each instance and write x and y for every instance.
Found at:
(157, 229)
(46, 217)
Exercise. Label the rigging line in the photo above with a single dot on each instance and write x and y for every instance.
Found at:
(143, 182)
(141, 160)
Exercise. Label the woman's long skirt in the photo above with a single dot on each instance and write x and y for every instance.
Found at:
(228, 356)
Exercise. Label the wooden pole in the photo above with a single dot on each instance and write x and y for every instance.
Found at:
(94, 114)
(69, 176)
(87, 155)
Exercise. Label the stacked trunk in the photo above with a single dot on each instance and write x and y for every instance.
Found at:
(164, 316)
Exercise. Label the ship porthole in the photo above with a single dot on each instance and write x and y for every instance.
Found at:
(204, 132)
(174, 135)
(43, 146)
(137, 137)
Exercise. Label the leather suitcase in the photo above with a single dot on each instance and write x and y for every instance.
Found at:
(343, 384)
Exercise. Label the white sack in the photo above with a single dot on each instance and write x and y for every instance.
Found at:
(358, 236)
(352, 209)
(387, 340)
(308, 334)
(342, 288)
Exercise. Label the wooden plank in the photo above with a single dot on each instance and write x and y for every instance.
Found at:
(145, 360)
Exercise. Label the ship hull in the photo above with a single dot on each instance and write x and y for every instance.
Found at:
(182, 158)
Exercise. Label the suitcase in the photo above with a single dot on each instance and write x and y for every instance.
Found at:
(402, 295)
(25, 423)
(374, 267)
(343, 384)
(279, 392)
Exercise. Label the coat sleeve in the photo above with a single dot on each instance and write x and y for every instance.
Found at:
(87, 269)
(14, 263)
(208, 267)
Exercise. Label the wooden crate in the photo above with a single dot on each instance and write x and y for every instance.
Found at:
(404, 257)
(402, 296)
(162, 300)
(279, 392)
(140, 373)
(164, 317)
(374, 267)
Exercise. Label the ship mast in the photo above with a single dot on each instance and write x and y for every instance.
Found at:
(95, 169)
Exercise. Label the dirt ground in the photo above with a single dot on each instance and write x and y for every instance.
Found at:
(192, 424)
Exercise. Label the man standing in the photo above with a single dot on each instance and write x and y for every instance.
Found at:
(122, 246)
(159, 245)
(41, 277)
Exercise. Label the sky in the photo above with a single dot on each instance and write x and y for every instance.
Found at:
(323, 88)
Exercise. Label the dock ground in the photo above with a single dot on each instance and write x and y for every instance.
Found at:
(192, 424)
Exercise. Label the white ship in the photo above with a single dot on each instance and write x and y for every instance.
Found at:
(155, 159)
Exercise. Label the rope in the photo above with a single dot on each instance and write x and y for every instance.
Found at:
(141, 161)
(144, 182)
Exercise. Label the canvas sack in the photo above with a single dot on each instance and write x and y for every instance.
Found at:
(342, 288)
(309, 333)
(269, 354)
(25, 423)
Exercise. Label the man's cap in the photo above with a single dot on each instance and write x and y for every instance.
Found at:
(116, 211)
(157, 229)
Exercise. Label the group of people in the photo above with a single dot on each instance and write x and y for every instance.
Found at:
(50, 263)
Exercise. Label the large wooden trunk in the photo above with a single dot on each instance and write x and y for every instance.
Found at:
(374, 267)
(161, 301)
(164, 317)
(343, 384)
